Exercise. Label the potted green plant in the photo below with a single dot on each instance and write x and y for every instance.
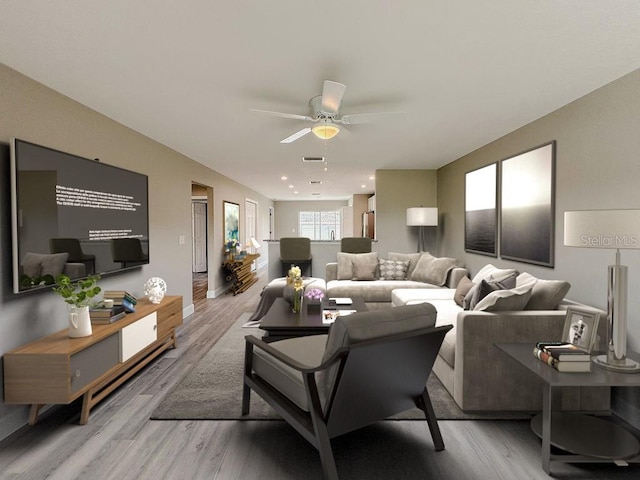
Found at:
(78, 295)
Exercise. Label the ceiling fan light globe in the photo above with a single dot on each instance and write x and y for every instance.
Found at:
(325, 131)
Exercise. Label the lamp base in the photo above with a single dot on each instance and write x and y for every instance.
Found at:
(626, 366)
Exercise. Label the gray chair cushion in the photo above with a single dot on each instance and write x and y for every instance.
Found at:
(306, 350)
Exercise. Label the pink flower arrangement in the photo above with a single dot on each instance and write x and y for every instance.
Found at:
(314, 294)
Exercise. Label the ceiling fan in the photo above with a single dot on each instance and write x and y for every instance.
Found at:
(324, 113)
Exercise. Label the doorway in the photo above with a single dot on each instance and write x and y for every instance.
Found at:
(201, 221)
(250, 225)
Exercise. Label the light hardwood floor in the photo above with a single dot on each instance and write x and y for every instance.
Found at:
(120, 442)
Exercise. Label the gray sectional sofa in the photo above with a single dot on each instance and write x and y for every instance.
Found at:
(373, 278)
(482, 378)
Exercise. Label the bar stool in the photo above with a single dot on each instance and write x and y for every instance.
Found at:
(295, 251)
(355, 245)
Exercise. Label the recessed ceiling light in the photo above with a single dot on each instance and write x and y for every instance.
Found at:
(283, 177)
(372, 177)
(290, 186)
(295, 191)
(363, 186)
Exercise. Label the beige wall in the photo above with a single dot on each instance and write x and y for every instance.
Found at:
(397, 190)
(33, 112)
(597, 167)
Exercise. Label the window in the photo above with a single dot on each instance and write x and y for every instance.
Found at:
(319, 225)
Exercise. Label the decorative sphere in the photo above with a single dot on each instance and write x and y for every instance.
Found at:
(154, 289)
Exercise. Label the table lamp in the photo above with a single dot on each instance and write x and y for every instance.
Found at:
(610, 229)
(422, 217)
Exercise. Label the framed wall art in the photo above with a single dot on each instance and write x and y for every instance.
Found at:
(231, 215)
(527, 211)
(480, 210)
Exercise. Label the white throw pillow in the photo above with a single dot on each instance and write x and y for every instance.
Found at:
(493, 274)
(546, 294)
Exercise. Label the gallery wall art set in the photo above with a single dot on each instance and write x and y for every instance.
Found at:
(516, 197)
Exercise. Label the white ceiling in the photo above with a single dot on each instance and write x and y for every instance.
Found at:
(186, 73)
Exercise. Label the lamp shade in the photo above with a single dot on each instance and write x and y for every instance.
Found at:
(613, 229)
(254, 243)
(422, 217)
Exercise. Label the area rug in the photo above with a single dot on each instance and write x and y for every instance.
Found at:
(212, 390)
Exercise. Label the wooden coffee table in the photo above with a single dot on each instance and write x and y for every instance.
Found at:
(280, 322)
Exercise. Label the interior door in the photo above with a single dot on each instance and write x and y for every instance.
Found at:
(199, 227)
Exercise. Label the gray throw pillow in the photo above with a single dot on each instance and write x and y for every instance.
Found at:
(432, 269)
(480, 290)
(546, 294)
(346, 261)
(513, 299)
(364, 270)
(462, 289)
(393, 269)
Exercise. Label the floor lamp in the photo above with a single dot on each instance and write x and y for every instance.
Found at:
(617, 230)
(422, 217)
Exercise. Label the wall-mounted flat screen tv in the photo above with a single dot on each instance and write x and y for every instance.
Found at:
(74, 216)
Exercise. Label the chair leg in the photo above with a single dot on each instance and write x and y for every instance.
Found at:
(320, 429)
(432, 421)
(248, 367)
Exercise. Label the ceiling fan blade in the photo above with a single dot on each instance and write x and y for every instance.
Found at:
(295, 136)
(332, 93)
(365, 117)
(283, 115)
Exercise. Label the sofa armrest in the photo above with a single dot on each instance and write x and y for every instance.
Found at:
(331, 272)
(485, 378)
(455, 275)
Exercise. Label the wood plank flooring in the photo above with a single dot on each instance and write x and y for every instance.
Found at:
(120, 442)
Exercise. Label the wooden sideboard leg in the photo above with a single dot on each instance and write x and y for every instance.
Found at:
(86, 407)
(33, 413)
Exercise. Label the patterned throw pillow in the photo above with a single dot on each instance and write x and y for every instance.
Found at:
(393, 269)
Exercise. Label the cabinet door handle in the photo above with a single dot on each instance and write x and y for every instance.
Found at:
(77, 374)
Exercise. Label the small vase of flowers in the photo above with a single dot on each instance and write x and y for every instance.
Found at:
(294, 289)
(313, 299)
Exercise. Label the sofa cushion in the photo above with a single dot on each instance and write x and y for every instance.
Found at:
(462, 289)
(393, 269)
(412, 258)
(434, 270)
(371, 292)
(546, 294)
(346, 261)
(494, 274)
(513, 299)
(364, 270)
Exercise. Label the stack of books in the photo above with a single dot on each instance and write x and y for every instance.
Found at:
(121, 297)
(563, 356)
(104, 316)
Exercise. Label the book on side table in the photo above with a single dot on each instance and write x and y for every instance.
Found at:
(563, 356)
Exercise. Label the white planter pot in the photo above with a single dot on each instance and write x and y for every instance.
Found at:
(79, 322)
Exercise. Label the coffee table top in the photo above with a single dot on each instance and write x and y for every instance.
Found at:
(280, 318)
